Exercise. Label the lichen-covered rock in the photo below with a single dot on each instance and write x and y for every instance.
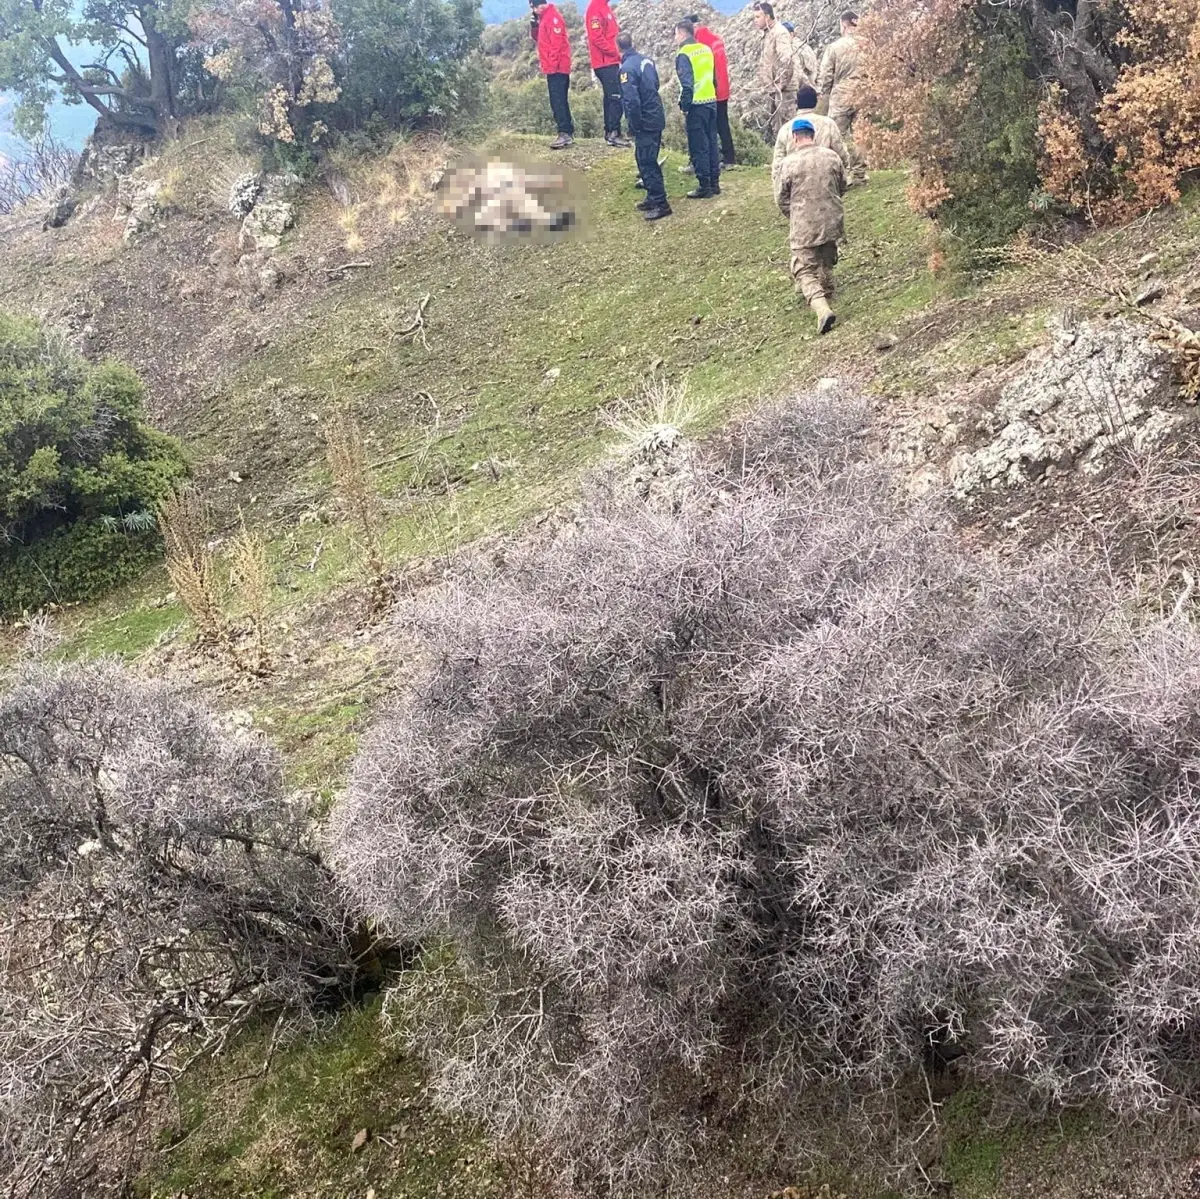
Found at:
(1090, 391)
(138, 204)
(244, 192)
(271, 212)
(266, 223)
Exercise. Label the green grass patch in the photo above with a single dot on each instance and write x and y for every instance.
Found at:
(290, 1132)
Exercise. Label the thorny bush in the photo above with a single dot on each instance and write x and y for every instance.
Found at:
(781, 791)
(157, 892)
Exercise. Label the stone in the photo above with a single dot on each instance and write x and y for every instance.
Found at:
(884, 342)
(1071, 406)
(61, 210)
(1150, 293)
(138, 204)
(266, 223)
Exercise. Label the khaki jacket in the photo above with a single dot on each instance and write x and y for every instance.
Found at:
(777, 64)
(839, 74)
(825, 133)
(806, 65)
(811, 185)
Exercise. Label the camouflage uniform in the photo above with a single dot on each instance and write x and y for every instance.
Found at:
(837, 83)
(777, 74)
(825, 133)
(810, 190)
(806, 64)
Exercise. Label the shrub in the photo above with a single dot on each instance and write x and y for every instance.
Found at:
(80, 473)
(525, 108)
(158, 891)
(953, 91)
(719, 808)
(408, 62)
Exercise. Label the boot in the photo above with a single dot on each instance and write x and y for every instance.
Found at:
(645, 205)
(562, 141)
(617, 141)
(639, 185)
(825, 315)
(687, 169)
(657, 214)
(701, 193)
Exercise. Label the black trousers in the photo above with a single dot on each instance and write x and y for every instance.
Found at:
(610, 81)
(701, 125)
(646, 147)
(725, 133)
(559, 85)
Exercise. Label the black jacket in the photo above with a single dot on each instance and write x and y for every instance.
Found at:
(639, 93)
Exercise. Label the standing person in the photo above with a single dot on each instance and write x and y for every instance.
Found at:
(776, 65)
(837, 81)
(549, 30)
(714, 41)
(602, 30)
(696, 70)
(810, 193)
(825, 133)
(646, 120)
(805, 58)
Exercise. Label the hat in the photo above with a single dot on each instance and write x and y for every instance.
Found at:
(789, 27)
(800, 125)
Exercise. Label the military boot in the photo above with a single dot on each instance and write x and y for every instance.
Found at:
(825, 315)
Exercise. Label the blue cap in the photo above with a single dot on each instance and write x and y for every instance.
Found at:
(789, 27)
(800, 125)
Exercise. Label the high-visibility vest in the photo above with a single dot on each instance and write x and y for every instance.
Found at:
(704, 87)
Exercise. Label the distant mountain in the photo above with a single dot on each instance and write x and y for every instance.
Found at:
(495, 11)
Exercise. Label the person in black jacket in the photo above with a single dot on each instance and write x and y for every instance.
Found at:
(646, 120)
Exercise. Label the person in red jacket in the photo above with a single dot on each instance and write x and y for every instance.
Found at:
(549, 30)
(602, 30)
(713, 41)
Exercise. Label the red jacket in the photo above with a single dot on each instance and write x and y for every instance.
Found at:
(554, 46)
(602, 30)
(706, 37)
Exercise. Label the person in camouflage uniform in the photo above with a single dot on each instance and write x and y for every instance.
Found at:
(811, 186)
(776, 66)
(838, 84)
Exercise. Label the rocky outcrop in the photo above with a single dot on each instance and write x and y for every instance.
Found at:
(1092, 390)
(269, 210)
(138, 203)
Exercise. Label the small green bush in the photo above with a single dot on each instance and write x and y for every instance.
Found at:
(80, 562)
(525, 108)
(408, 62)
(80, 473)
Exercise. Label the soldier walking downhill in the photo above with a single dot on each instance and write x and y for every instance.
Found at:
(838, 82)
(825, 133)
(811, 186)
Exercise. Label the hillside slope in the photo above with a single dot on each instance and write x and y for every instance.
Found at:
(485, 423)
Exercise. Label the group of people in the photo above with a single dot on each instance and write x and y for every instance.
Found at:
(814, 158)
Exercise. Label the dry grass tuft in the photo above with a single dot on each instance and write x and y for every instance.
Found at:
(359, 499)
(251, 580)
(191, 567)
